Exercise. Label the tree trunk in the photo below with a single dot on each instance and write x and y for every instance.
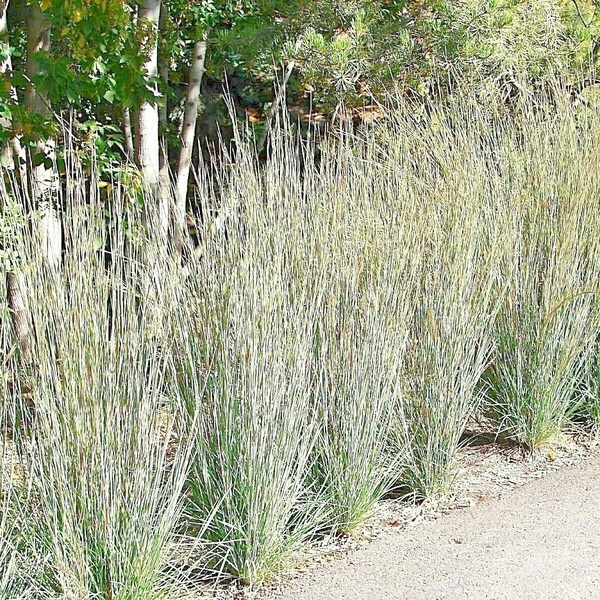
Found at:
(13, 153)
(128, 134)
(5, 69)
(17, 303)
(146, 136)
(188, 134)
(4, 33)
(164, 180)
(45, 185)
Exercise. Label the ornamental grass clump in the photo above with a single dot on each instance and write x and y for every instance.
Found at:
(20, 561)
(245, 365)
(547, 326)
(357, 369)
(448, 350)
(17, 561)
(104, 445)
(452, 300)
(359, 335)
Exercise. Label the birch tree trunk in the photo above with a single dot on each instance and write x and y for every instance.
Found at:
(4, 32)
(45, 185)
(5, 69)
(188, 135)
(17, 303)
(147, 146)
(15, 286)
(164, 180)
(13, 153)
(128, 134)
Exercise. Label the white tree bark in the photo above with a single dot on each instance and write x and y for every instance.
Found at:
(5, 68)
(147, 146)
(13, 153)
(3, 32)
(188, 133)
(45, 185)
(164, 180)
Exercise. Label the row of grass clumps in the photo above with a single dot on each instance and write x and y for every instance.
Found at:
(339, 326)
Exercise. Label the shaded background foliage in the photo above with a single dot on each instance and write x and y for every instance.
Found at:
(341, 54)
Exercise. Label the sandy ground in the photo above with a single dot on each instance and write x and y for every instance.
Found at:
(537, 541)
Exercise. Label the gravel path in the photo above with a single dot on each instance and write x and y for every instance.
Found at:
(540, 541)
